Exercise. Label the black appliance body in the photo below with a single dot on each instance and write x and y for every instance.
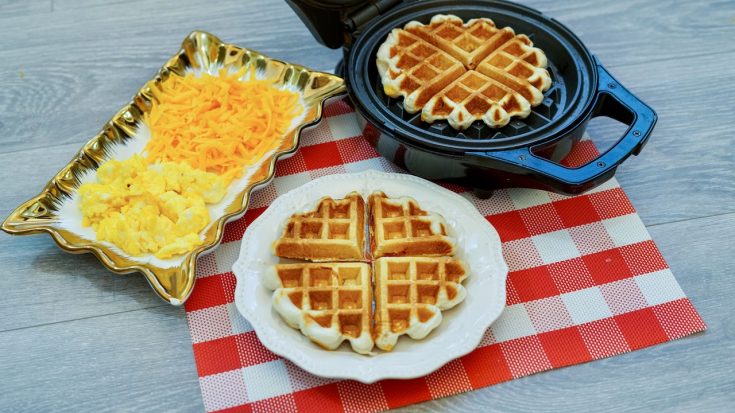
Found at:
(524, 153)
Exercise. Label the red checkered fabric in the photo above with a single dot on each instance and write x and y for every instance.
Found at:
(586, 282)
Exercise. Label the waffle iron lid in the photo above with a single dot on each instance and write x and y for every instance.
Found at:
(334, 22)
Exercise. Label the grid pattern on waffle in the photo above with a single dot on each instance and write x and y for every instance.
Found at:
(513, 71)
(474, 96)
(500, 54)
(469, 43)
(333, 295)
(586, 282)
(510, 61)
(520, 66)
(400, 226)
(420, 70)
(412, 290)
(335, 229)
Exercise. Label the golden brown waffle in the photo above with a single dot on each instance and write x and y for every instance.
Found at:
(333, 301)
(334, 231)
(399, 227)
(410, 293)
(469, 43)
(519, 66)
(513, 72)
(412, 68)
(473, 97)
(328, 302)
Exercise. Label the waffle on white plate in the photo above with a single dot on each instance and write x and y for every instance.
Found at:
(413, 272)
(410, 293)
(503, 74)
(399, 227)
(333, 231)
(328, 302)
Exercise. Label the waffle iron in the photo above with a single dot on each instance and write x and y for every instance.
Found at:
(524, 153)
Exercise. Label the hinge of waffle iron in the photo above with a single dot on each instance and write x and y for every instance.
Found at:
(357, 19)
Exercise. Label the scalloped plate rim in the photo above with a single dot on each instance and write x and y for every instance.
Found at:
(248, 281)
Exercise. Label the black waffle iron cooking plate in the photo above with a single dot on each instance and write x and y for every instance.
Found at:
(524, 153)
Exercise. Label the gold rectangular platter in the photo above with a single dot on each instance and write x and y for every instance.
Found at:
(199, 51)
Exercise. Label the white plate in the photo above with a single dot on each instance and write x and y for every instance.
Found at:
(462, 327)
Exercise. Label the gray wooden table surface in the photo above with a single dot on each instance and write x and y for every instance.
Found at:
(74, 337)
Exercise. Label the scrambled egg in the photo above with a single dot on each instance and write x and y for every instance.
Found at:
(158, 208)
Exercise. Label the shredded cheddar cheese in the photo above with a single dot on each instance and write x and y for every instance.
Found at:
(218, 124)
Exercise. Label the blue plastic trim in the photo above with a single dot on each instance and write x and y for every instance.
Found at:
(643, 121)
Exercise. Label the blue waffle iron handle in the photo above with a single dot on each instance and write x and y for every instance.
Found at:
(615, 101)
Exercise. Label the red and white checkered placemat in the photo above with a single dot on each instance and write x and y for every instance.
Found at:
(586, 282)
